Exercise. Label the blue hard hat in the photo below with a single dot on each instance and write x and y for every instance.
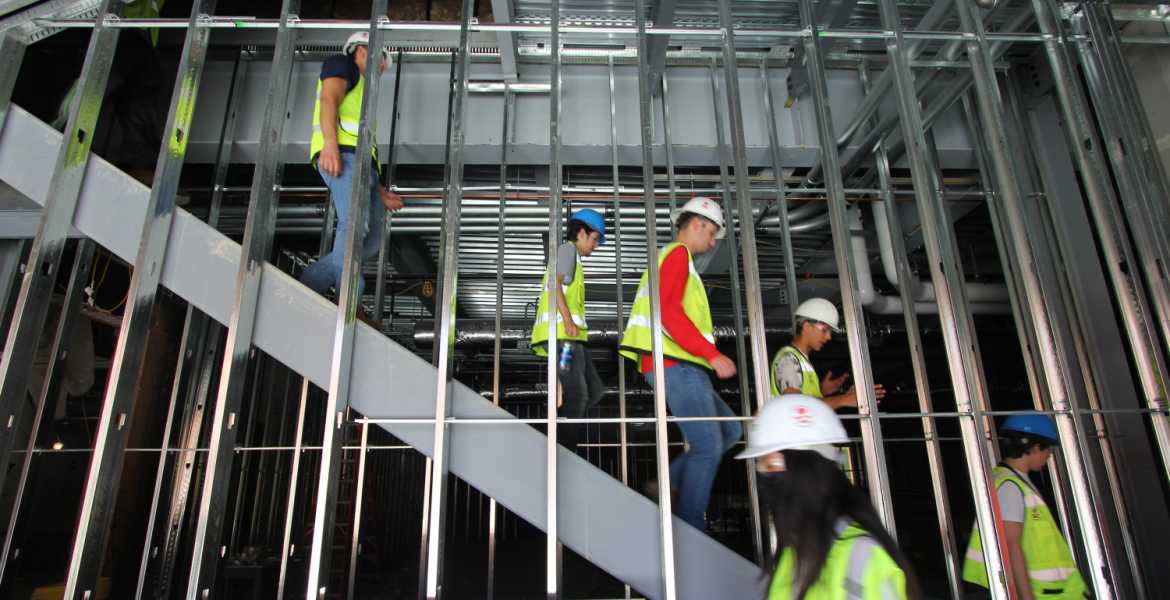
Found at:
(1035, 424)
(593, 219)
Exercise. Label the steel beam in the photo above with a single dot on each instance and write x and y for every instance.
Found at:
(348, 301)
(847, 269)
(97, 507)
(646, 123)
(40, 274)
(506, 40)
(1100, 570)
(238, 348)
(435, 522)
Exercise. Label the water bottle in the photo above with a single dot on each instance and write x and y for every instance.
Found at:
(565, 357)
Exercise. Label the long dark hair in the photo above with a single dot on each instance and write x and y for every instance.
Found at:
(806, 501)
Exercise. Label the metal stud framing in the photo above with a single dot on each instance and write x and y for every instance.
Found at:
(850, 303)
(101, 486)
(435, 506)
(238, 349)
(40, 275)
(348, 301)
(1049, 358)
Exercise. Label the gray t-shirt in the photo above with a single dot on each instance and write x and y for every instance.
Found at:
(788, 373)
(567, 261)
(1011, 499)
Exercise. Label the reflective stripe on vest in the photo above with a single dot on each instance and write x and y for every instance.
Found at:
(574, 299)
(637, 339)
(810, 384)
(857, 568)
(349, 114)
(1050, 563)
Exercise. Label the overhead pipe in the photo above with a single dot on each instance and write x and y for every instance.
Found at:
(892, 305)
(1023, 18)
(920, 290)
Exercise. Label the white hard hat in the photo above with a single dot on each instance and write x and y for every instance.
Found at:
(704, 207)
(795, 422)
(821, 310)
(362, 38)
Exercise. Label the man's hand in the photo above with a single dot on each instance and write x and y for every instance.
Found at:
(329, 159)
(832, 386)
(390, 200)
(571, 329)
(724, 367)
(849, 398)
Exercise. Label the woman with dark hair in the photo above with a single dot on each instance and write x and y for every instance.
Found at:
(831, 545)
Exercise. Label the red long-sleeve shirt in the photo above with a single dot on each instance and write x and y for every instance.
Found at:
(672, 278)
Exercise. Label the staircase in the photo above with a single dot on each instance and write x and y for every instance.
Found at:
(602, 520)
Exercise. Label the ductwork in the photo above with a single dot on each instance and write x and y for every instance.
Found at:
(992, 298)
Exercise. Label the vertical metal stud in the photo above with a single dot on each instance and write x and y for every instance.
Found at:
(348, 300)
(257, 243)
(646, 123)
(360, 482)
(435, 522)
(40, 275)
(1068, 422)
(286, 548)
(623, 430)
(383, 251)
(227, 135)
(781, 196)
(101, 485)
(850, 303)
(668, 142)
(552, 556)
(736, 302)
(509, 99)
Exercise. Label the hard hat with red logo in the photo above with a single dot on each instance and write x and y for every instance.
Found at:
(706, 208)
(795, 422)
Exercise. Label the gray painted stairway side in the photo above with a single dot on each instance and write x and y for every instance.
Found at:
(601, 519)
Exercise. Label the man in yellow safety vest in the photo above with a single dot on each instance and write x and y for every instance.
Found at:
(333, 148)
(688, 346)
(792, 373)
(1042, 565)
(581, 386)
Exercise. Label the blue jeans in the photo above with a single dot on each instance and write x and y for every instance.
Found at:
(689, 394)
(326, 273)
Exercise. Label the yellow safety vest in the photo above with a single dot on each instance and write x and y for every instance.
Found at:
(810, 383)
(349, 114)
(1051, 568)
(636, 340)
(145, 9)
(857, 569)
(574, 298)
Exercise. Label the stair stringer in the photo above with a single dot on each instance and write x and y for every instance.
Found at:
(601, 519)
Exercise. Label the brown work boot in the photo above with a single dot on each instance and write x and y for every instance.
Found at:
(650, 490)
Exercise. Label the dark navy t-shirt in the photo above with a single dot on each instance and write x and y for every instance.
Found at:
(345, 67)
